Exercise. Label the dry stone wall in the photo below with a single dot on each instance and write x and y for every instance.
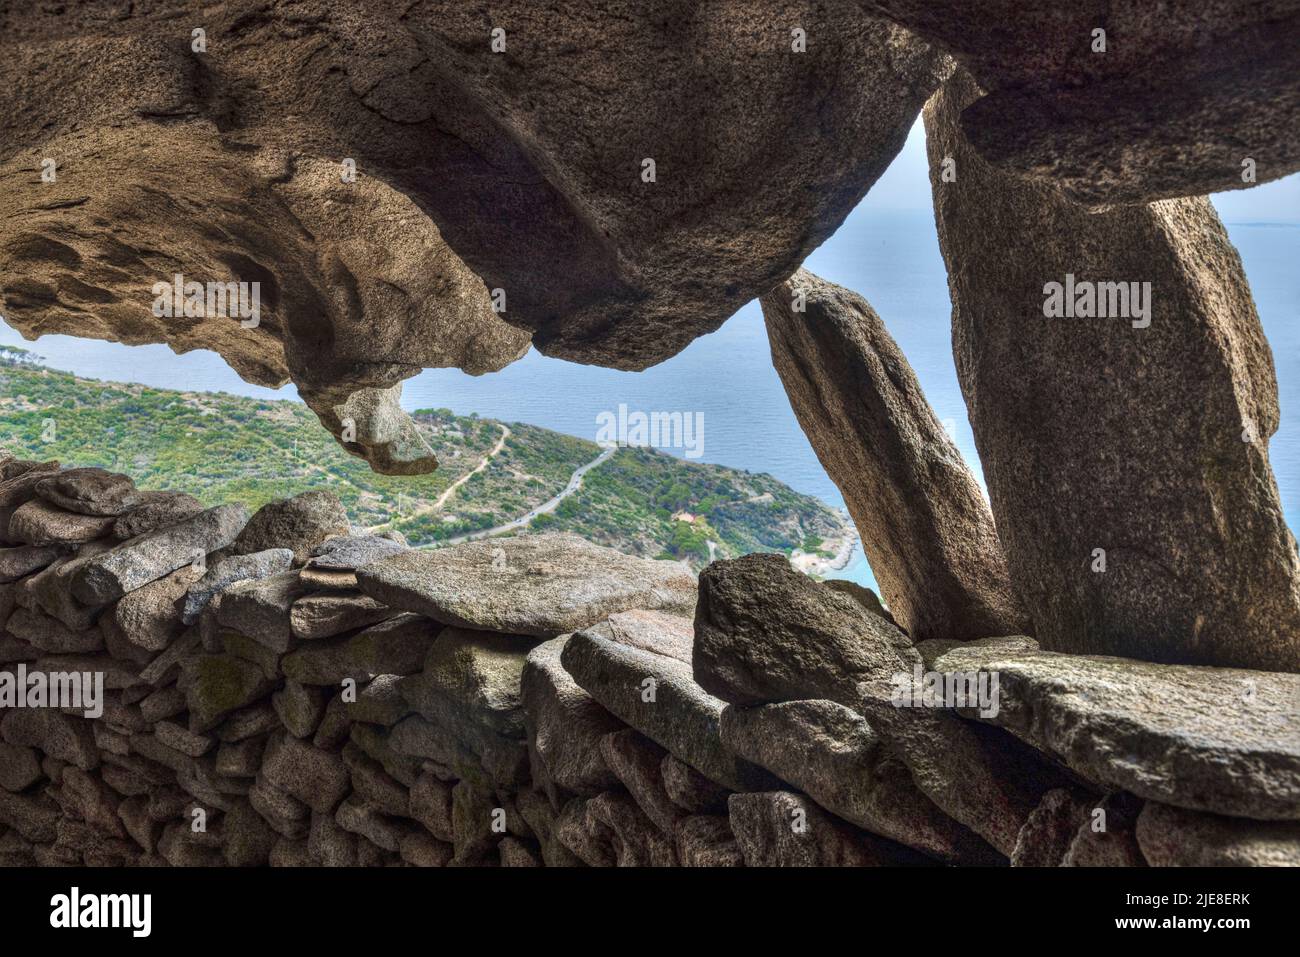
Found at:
(287, 690)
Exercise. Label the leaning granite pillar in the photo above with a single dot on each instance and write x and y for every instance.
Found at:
(925, 526)
(1122, 396)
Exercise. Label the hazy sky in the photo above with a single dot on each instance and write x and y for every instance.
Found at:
(906, 185)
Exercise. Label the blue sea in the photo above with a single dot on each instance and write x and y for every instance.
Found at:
(886, 252)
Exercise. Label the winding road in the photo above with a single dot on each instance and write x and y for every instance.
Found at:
(575, 483)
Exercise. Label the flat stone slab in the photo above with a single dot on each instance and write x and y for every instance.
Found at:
(90, 491)
(156, 510)
(1208, 739)
(347, 553)
(39, 523)
(109, 576)
(541, 585)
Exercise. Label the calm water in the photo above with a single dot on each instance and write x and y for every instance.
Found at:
(890, 256)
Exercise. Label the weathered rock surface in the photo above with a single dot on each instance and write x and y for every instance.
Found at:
(300, 523)
(705, 840)
(1175, 102)
(657, 696)
(977, 775)
(324, 616)
(350, 552)
(366, 279)
(784, 829)
(126, 567)
(230, 569)
(1181, 411)
(51, 635)
(844, 766)
(156, 510)
(635, 761)
(565, 724)
(39, 523)
(22, 560)
(260, 609)
(89, 491)
(690, 790)
(216, 685)
(152, 617)
(1208, 739)
(765, 632)
(480, 671)
(317, 778)
(657, 631)
(1107, 837)
(1176, 837)
(541, 585)
(62, 736)
(394, 647)
(925, 525)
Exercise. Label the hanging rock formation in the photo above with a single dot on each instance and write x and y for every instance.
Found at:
(1169, 100)
(925, 526)
(1126, 457)
(399, 190)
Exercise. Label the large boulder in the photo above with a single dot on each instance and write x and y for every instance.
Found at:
(1149, 527)
(541, 585)
(404, 184)
(1169, 100)
(925, 525)
(1208, 739)
(765, 632)
(300, 523)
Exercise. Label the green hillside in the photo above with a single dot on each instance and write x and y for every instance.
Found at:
(228, 448)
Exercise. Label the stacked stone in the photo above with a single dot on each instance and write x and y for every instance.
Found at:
(288, 690)
(1084, 760)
